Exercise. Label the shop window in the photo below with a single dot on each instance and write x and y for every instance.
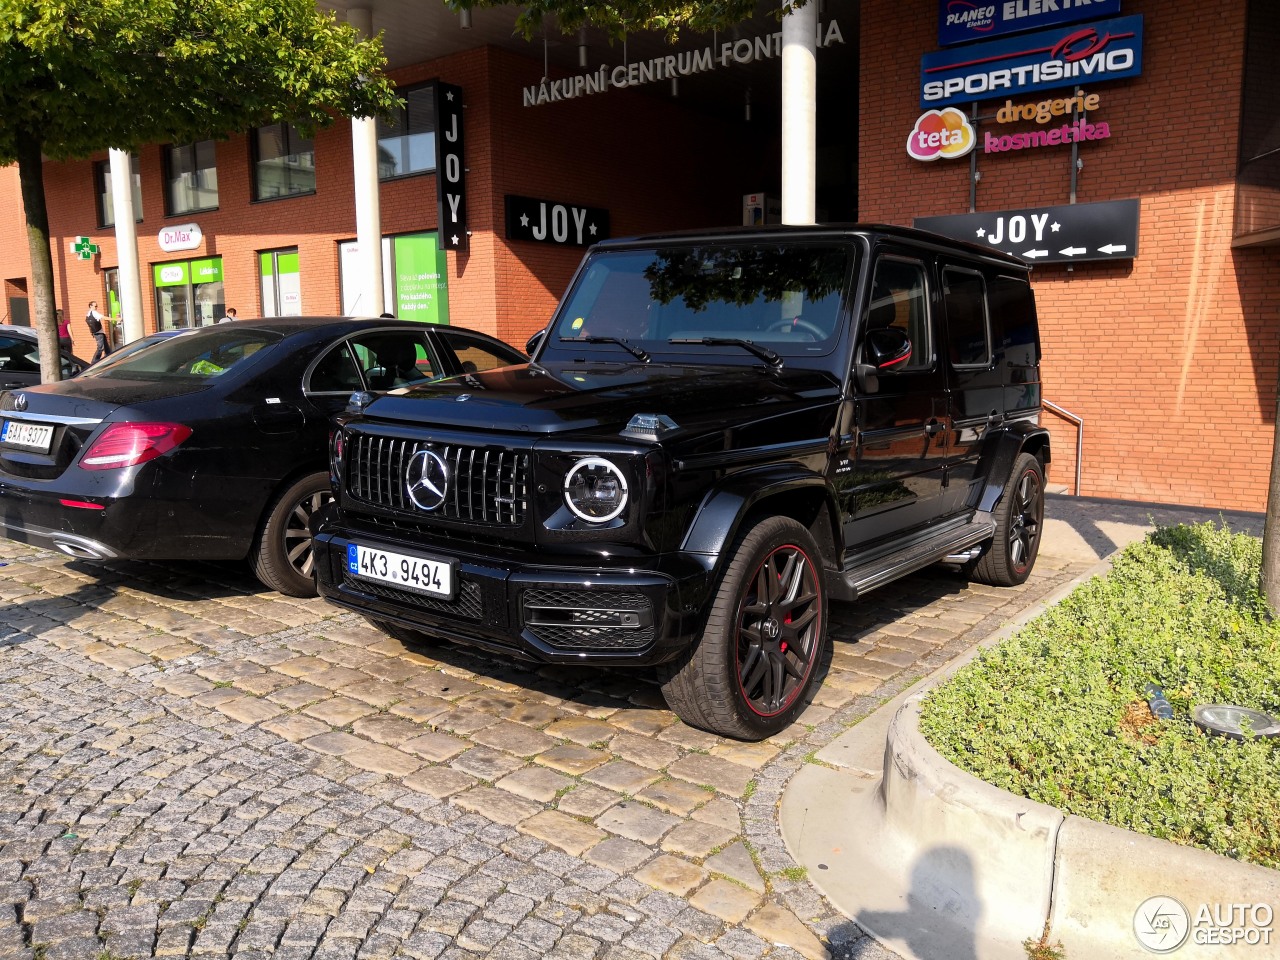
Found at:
(284, 162)
(191, 178)
(189, 293)
(415, 282)
(102, 190)
(279, 278)
(408, 144)
(968, 333)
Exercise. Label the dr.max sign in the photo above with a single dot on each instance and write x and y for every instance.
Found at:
(1107, 50)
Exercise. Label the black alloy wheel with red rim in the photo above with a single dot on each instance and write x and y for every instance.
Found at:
(747, 674)
(778, 625)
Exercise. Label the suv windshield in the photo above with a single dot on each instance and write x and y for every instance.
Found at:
(698, 299)
(198, 356)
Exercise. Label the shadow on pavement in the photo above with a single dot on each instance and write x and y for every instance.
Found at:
(1088, 528)
(943, 909)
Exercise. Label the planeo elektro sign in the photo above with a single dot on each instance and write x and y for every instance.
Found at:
(1062, 57)
(961, 21)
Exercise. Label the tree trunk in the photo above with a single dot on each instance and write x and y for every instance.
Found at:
(1271, 528)
(31, 177)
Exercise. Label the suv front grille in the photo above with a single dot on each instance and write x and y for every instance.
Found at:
(486, 484)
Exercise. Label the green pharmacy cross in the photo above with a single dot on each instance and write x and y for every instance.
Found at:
(83, 248)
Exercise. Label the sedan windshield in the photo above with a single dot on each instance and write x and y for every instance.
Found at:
(708, 299)
(191, 357)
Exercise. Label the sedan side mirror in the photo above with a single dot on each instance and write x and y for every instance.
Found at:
(532, 344)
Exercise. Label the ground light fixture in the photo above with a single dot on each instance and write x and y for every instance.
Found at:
(1234, 722)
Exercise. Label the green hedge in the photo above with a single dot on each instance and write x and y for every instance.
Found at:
(1056, 713)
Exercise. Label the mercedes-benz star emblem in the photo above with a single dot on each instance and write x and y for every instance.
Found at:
(20, 402)
(426, 480)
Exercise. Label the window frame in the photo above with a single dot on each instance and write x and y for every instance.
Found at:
(102, 188)
(387, 133)
(986, 316)
(167, 156)
(291, 139)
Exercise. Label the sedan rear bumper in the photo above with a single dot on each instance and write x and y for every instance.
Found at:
(136, 527)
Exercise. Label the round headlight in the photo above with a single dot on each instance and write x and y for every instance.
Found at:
(595, 490)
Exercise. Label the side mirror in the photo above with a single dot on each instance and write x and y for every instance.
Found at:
(886, 348)
(532, 344)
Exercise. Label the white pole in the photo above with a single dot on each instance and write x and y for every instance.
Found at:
(799, 112)
(126, 244)
(364, 155)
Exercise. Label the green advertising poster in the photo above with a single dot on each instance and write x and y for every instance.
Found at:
(421, 281)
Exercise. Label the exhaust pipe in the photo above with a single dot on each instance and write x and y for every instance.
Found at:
(82, 548)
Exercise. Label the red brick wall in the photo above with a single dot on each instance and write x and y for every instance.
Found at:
(1171, 358)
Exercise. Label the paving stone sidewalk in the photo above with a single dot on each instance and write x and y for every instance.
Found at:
(190, 766)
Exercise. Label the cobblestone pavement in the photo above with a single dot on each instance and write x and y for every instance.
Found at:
(190, 766)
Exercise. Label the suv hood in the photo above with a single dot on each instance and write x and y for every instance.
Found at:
(602, 398)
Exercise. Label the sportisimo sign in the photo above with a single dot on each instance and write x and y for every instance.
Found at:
(1062, 57)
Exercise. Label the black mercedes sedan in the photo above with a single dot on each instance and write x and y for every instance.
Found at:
(212, 445)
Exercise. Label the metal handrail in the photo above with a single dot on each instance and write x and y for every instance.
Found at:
(1079, 423)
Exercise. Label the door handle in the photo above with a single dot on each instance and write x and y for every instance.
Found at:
(933, 427)
(995, 418)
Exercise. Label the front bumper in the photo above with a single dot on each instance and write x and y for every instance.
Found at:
(527, 607)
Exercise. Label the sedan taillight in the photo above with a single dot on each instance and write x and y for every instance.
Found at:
(127, 444)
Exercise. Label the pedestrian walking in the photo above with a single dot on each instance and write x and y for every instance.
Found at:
(231, 315)
(94, 319)
(64, 331)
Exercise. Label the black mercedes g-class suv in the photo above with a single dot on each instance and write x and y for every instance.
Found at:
(717, 433)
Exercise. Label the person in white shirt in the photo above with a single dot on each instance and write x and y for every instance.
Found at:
(94, 319)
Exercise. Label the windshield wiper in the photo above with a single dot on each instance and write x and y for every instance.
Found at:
(764, 353)
(635, 351)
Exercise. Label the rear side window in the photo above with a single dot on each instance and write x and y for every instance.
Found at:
(964, 299)
(196, 356)
(899, 299)
(1013, 314)
(474, 355)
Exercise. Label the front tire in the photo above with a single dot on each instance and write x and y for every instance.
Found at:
(282, 557)
(1008, 560)
(747, 675)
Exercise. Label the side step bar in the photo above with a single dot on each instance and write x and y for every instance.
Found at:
(955, 544)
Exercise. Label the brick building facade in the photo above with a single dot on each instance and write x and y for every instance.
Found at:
(1171, 358)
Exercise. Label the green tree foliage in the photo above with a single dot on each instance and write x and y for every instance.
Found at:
(629, 16)
(80, 76)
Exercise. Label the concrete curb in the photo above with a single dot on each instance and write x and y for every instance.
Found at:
(939, 865)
